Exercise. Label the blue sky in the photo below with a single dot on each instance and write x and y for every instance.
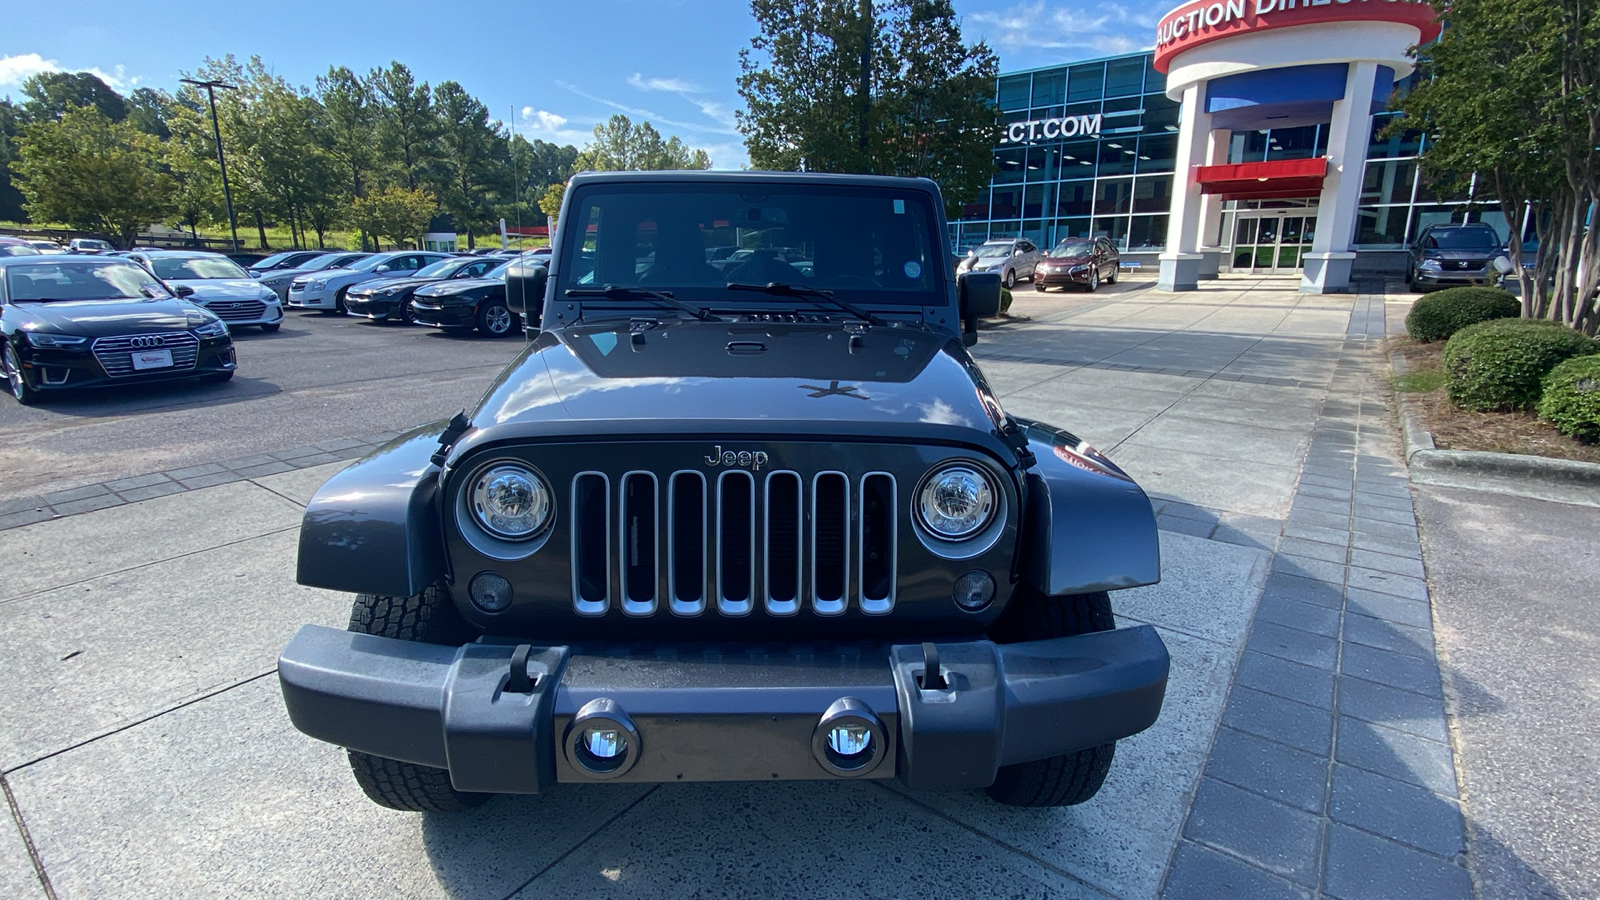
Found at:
(554, 69)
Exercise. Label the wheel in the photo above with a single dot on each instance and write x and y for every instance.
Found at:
(427, 618)
(407, 315)
(218, 377)
(1011, 279)
(1112, 278)
(1071, 778)
(339, 308)
(495, 319)
(1094, 280)
(271, 328)
(17, 380)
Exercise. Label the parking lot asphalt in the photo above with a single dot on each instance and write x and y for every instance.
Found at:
(1303, 750)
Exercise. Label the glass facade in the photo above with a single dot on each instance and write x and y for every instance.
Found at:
(1118, 183)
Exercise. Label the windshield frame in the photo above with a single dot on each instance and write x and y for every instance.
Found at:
(1455, 232)
(711, 296)
(1087, 246)
(184, 261)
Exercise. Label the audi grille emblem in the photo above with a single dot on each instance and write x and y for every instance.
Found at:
(148, 341)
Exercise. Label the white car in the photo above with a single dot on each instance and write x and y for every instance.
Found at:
(47, 247)
(325, 290)
(217, 283)
(1013, 259)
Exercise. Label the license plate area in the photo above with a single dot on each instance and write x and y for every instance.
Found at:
(151, 359)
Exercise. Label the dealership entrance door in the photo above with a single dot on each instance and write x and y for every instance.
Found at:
(1272, 242)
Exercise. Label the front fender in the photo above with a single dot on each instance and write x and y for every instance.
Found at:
(374, 527)
(1089, 526)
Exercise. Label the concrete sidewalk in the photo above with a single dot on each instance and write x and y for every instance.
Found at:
(147, 752)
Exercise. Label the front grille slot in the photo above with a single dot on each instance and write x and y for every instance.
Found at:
(736, 542)
(116, 353)
(686, 542)
(877, 543)
(784, 527)
(238, 310)
(591, 544)
(638, 533)
(830, 542)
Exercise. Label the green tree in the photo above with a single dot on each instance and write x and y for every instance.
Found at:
(540, 164)
(550, 201)
(51, 94)
(472, 155)
(189, 155)
(891, 89)
(149, 109)
(407, 130)
(1512, 93)
(11, 121)
(621, 146)
(349, 127)
(92, 173)
(397, 213)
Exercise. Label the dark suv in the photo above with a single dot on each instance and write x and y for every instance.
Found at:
(1446, 255)
(707, 529)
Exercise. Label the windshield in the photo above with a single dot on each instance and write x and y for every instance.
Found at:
(328, 262)
(18, 250)
(989, 251)
(1463, 239)
(178, 268)
(80, 280)
(274, 259)
(868, 244)
(1066, 250)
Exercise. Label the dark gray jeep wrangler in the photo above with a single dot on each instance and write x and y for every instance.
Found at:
(745, 509)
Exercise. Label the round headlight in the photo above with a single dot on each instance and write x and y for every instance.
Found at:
(511, 502)
(956, 502)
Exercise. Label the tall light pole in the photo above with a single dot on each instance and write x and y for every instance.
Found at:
(222, 162)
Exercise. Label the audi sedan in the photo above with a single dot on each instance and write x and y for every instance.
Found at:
(69, 322)
(217, 283)
(390, 298)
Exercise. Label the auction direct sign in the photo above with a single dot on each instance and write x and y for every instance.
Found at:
(1203, 21)
(1051, 129)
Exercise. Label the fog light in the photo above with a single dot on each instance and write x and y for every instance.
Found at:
(974, 591)
(849, 740)
(490, 592)
(601, 741)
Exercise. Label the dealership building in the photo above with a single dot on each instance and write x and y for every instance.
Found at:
(1252, 139)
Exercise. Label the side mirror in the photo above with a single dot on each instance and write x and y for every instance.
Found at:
(978, 297)
(1502, 264)
(182, 290)
(525, 290)
(382, 269)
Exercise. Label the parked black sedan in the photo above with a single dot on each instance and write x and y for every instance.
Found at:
(390, 298)
(71, 322)
(468, 303)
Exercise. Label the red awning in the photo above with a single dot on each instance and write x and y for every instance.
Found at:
(1274, 180)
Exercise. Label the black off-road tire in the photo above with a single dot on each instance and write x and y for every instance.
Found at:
(427, 618)
(1071, 778)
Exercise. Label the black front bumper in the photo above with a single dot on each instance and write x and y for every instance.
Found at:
(54, 369)
(451, 315)
(719, 712)
(377, 308)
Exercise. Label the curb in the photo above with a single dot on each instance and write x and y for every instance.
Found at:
(1422, 453)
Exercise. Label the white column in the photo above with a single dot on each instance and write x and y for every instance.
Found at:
(1180, 263)
(1211, 209)
(1327, 266)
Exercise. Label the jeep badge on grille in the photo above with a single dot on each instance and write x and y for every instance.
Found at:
(745, 459)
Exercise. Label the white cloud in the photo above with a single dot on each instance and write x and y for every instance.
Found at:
(549, 126)
(670, 85)
(14, 70)
(1101, 29)
(688, 90)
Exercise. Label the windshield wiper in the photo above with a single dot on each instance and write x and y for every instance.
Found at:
(782, 289)
(623, 292)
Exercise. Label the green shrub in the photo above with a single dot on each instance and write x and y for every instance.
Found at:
(1499, 365)
(1571, 400)
(1436, 316)
(1005, 300)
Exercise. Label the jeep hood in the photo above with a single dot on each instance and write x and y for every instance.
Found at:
(689, 371)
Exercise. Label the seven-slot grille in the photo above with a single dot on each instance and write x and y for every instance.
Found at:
(237, 310)
(733, 541)
(116, 353)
